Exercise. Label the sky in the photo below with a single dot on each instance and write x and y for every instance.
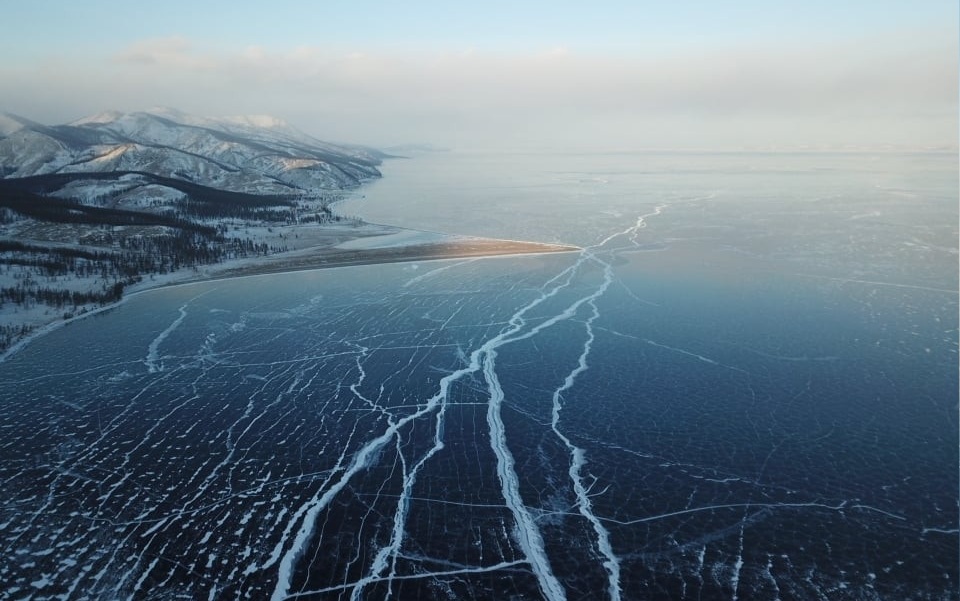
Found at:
(597, 75)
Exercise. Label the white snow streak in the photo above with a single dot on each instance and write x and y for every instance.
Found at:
(153, 351)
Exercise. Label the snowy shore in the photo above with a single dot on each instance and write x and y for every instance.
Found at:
(311, 247)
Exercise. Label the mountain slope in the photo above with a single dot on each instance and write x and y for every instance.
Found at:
(257, 155)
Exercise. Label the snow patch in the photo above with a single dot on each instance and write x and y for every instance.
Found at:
(266, 121)
(99, 118)
(395, 240)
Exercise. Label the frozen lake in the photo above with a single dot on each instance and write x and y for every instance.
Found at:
(744, 387)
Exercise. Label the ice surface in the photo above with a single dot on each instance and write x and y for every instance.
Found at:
(692, 423)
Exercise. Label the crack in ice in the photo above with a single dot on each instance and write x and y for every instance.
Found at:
(578, 455)
(483, 358)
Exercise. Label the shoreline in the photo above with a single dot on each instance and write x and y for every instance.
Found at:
(324, 258)
(361, 249)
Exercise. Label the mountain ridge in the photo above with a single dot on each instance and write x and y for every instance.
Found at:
(247, 154)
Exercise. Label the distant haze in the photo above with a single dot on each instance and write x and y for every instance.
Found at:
(750, 77)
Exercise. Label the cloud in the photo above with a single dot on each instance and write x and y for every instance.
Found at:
(898, 88)
(174, 51)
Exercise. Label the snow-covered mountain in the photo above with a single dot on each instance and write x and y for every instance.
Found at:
(253, 154)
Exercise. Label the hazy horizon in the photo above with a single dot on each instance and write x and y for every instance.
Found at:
(619, 77)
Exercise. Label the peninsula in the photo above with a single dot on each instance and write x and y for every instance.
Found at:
(123, 202)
